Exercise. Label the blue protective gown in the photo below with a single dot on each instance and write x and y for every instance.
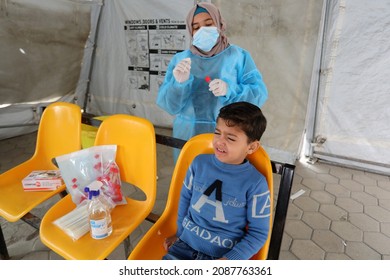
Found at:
(195, 107)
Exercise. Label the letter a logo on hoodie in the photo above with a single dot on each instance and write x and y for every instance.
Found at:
(217, 186)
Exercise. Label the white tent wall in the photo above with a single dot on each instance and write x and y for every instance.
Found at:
(281, 35)
(41, 49)
(352, 115)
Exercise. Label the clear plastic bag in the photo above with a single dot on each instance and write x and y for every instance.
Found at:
(79, 169)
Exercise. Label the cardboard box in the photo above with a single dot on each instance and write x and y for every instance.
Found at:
(43, 180)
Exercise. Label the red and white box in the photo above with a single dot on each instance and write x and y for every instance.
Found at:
(43, 180)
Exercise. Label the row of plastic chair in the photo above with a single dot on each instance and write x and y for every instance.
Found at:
(59, 133)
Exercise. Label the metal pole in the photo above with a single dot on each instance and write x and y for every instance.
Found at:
(3, 247)
(87, 94)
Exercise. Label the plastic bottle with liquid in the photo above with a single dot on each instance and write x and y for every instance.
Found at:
(99, 216)
(107, 201)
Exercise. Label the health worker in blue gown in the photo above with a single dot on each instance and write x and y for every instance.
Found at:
(211, 74)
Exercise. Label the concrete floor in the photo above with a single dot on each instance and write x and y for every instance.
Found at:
(341, 213)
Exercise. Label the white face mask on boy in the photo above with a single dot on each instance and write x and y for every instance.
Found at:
(206, 38)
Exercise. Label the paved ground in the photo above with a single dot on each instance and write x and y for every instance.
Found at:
(341, 213)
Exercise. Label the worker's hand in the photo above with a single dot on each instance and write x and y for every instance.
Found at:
(169, 241)
(182, 70)
(218, 87)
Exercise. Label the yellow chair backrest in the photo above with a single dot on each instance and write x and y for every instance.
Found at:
(150, 247)
(136, 150)
(56, 133)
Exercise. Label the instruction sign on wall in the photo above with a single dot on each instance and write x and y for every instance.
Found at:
(151, 43)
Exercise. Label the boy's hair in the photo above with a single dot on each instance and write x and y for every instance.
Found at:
(246, 116)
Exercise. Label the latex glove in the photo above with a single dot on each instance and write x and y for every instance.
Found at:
(182, 70)
(218, 87)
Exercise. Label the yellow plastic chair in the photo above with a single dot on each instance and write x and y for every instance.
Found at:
(136, 158)
(58, 134)
(150, 247)
(88, 133)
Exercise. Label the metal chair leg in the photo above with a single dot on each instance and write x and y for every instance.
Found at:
(286, 181)
(3, 247)
(127, 244)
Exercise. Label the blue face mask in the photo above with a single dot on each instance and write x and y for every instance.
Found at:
(206, 38)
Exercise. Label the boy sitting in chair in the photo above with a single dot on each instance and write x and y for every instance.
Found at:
(224, 207)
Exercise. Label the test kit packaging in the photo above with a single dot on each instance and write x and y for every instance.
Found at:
(43, 180)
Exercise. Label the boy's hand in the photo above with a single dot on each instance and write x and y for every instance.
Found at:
(169, 241)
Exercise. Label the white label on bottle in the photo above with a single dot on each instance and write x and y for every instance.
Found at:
(99, 228)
